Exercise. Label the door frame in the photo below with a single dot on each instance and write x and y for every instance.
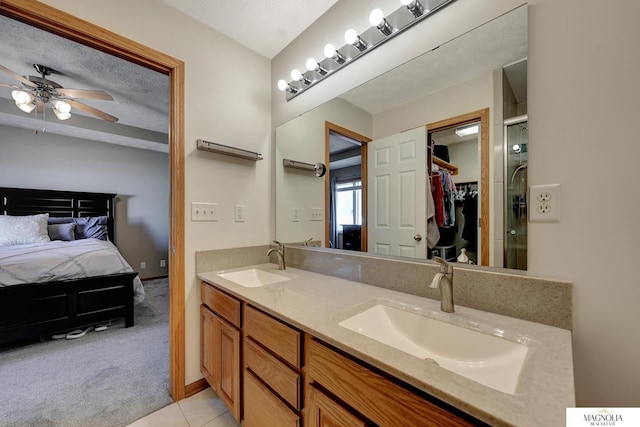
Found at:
(55, 21)
(481, 116)
(332, 127)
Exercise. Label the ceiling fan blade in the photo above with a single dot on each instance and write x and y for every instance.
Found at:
(17, 77)
(8, 85)
(94, 111)
(87, 94)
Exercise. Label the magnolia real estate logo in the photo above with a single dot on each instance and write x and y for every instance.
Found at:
(597, 417)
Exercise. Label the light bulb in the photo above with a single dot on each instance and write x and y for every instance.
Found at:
(296, 74)
(21, 97)
(312, 64)
(351, 36)
(62, 106)
(60, 115)
(282, 84)
(376, 17)
(27, 107)
(329, 51)
(406, 2)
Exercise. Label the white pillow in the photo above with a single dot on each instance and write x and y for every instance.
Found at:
(21, 230)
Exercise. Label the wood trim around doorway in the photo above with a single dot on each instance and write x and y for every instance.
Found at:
(328, 128)
(52, 20)
(481, 116)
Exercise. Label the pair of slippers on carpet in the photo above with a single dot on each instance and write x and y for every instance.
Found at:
(79, 333)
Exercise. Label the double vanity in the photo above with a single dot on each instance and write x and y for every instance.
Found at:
(293, 347)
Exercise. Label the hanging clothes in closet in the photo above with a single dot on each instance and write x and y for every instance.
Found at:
(444, 198)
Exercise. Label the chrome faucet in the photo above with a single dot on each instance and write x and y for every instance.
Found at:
(280, 253)
(444, 281)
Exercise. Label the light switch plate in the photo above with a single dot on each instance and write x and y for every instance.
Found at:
(316, 214)
(239, 213)
(201, 211)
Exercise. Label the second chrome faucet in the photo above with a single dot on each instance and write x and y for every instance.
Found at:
(280, 253)
(444, 281)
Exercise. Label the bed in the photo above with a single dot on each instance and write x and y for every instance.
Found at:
(46, 297)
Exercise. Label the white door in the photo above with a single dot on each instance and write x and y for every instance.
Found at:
(396, 192)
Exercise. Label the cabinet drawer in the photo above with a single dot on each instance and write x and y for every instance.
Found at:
(282, 379)
(281, 339)
(377, 398)
(262, 408)
(221, 303)
(322, 411)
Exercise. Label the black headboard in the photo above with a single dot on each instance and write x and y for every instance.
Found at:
(24, 201)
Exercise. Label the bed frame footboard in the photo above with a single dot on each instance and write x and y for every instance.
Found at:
(34, 310)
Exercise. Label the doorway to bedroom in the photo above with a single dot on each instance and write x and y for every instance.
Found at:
(38, 15)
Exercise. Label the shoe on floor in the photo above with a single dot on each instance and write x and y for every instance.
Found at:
(78, 333)
(102, 326)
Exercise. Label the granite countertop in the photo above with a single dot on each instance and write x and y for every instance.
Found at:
(316, 303)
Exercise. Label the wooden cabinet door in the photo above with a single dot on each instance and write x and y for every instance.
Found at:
(208, 346)
(322, 411)
(220, 358)
(227, 341)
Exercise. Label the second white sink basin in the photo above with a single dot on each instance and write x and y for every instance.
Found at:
(254, 277)
(487, 359)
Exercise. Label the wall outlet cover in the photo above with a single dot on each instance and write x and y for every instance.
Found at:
(544, 203)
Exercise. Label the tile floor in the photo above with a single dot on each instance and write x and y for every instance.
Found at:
(204, 409)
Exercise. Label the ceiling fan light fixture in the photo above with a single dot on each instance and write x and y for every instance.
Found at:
(22, 97)
(27, 107)
(62, 107)
(60, 115)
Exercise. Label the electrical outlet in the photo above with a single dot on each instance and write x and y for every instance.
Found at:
(544, 203)
(204, 211)
(163, 263)
(316, 214)
(239, 213)
(143, 265)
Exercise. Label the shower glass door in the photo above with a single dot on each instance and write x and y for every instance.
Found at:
(516, 141)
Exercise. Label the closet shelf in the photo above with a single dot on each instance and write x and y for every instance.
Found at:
(228, 151)
(453, 170)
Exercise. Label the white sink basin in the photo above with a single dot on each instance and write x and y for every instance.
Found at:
(253, 277)
(487, 359)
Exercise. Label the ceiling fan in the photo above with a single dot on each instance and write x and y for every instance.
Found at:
(37, 92)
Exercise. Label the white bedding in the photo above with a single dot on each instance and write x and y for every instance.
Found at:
(58, 260)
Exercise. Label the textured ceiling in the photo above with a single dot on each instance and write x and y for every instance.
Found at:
(265, 26)
(141, 96)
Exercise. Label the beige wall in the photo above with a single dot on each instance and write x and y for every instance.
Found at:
(139, 177)
(583, 93)
(227, 101)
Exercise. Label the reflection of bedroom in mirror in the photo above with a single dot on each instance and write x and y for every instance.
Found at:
(347, 187)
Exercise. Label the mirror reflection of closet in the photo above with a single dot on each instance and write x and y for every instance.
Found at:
(455, 179)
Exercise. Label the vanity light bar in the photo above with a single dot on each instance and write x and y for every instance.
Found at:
(412, 12)
(229, 151)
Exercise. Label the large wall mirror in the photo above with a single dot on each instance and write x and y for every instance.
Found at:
(428, 159)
